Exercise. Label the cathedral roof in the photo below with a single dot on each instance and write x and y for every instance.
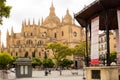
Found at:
(52, 19)
(67, 19)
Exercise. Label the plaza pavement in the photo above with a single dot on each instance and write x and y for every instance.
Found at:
(55, 75)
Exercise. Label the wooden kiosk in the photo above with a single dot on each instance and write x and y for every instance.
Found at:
(101, 15)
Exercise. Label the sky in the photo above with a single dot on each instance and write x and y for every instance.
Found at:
(36, 9)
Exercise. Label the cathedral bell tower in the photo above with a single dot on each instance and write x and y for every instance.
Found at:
(52, 10)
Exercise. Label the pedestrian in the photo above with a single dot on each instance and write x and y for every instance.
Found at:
(49, 71)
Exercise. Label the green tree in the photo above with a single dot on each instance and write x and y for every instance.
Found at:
(80, 49)
(113, 56)
(4, 10)
(60, 51)
(36, 62)
(48, 63)
(66, 63)
(5, 60)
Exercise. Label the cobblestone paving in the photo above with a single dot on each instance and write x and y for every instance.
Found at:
(55, 75)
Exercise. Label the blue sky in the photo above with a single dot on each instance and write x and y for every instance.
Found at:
(36, 9)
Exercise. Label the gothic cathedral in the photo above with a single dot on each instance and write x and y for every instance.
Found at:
(33, 38)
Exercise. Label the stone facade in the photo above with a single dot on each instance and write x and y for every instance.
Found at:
(33, 38)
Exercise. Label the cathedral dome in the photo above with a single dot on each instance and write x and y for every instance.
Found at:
(67, 18)
(52, 18)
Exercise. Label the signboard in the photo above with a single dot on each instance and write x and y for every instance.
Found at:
(94, 41)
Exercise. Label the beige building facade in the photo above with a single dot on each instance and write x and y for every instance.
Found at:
(33, 38)
(103, 43)
(103, 46)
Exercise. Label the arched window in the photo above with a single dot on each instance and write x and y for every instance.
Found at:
(33, 54)
(29, 42)
(26, 54)
(62, 33)
(16, 54)
(39, 54)
(40, 42)
(55, 35)
(25, 33)
(31, 34)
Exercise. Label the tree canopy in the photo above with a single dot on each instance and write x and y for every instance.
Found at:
(36, 61)
(113, 56)
(48, 63)
(80, 49)
(5, 59)
(4, 10)
(60, 51)
(66, 63)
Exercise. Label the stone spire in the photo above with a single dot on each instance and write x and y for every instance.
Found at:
(28, 21)
(7, 38)
(52, 10)
(7, 33)
(62, 19)
(67, 13)
(33, 21)
(39, 22)
(23, 24)
(12, 32)
(42, 21)
(67, 18)
(25, 21)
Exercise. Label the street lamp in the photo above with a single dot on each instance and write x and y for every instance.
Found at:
(45, 57)
(84, 73)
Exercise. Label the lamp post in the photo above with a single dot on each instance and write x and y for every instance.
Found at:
(84, 72)
(83, 68)
(45, 57)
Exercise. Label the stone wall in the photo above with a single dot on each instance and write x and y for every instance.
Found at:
(103, 73)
